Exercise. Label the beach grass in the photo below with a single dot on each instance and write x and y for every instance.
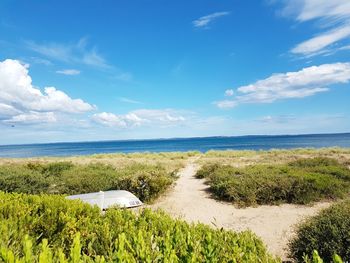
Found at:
(249, 157)
(169, 160)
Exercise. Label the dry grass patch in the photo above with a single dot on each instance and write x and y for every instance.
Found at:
(171, 161)
(275, 156)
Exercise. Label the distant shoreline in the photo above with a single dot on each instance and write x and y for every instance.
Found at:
(200, 144)
(183, 138)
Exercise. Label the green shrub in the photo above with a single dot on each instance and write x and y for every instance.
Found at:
(145, 181)
(49, 227)
(206, 170)
(328, 233)
(300, 182)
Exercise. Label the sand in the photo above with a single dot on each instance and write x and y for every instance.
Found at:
(190, 200)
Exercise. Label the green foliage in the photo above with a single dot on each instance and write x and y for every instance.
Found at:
(328, 233)
(49, 228)
(301, 182)
(145, 181)
(315, 258)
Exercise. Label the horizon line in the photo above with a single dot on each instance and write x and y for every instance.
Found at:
(178, 138)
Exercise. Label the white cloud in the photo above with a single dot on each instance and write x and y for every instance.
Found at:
(21, 100)
(92, 58)
(204, 21)
(56, 100)
(225, 104)
(229, 92)
(33, 117)
(347, 47)
(42, 61)
(318, 44)
(166, 115)
(7, 111)
(277, 119)
(70, 53)
(305, 10)
(127, 100)
(299, 84)
(334, 16)
(77, 54)
(109, 119)
(139, 117)
(68, 72)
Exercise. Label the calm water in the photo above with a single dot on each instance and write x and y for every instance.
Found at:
(169, 145)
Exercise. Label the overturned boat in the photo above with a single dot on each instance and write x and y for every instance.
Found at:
(109, 199)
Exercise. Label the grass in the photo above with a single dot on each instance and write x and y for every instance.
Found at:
(51, 229)
(169, 160)
(300, 182)
(248, 157)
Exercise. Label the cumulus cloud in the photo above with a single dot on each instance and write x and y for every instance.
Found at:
(139, 117)
(7, 111)
(110, 119)
(299, 84)
(33, 117)
(24, 102)
(204, 21)
(70, 72)
(334, 16)
(56, 100)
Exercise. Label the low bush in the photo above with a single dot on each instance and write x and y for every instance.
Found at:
(301, 182)
(328, 233)
(49, 228)
(145, 181)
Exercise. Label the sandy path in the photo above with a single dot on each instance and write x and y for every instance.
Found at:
(190, 200)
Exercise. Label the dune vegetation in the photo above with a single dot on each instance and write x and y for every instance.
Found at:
(145, 181)
(171, 161)
(146, 175)
(37, 224)
(299, 182)
(328, 233)
(49, 228)
(275, 156)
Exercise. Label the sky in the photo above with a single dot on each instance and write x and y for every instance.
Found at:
(114, 70)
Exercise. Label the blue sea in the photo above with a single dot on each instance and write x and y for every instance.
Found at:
(179, 144)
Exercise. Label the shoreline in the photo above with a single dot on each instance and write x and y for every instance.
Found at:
(183, 145)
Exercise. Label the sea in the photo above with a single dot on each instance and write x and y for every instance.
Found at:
(201, 144)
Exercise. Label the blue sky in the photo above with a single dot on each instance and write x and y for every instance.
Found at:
(104, 70)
